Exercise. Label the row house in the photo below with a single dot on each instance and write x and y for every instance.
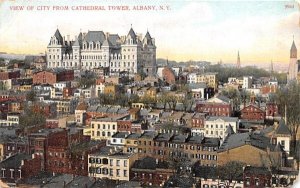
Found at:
(19, 166)
(98, 111)
(47, 109)
(111, 163)
(209, 78)
(104, 128)
(53, 76)
(151, 172)
(11, 74)
(165, 146)
(197, 124)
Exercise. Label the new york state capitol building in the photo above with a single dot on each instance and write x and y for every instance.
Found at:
(131, 53)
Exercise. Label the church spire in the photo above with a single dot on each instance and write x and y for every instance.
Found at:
(271, 68)
(238, 63)
(293, 52)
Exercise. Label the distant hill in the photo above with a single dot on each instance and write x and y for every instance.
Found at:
(163, 62)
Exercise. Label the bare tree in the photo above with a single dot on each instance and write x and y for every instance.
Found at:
(288, 101)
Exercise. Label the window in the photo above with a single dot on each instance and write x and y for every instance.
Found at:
(118, 172)
(118, 162)
(125, 163)
(111, 162)
(125, 173)
(111, 172)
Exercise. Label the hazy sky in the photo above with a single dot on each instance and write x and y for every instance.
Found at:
(191, 30)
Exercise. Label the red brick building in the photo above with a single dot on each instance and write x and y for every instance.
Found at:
(253, 112)
(49, 77)
(68, 92)
(63, 151)
(198, 120)
(256, 177)
(19, 166)
(216, 106)
(9, 75)
(150, 171)
(49, 110)
(272, 110)
(169, 75)
(52, 123)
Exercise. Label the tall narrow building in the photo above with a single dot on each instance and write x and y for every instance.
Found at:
(293, 66)
(238, 63)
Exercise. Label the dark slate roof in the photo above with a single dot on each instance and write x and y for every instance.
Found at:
(256, 170)
(113, 38)
(132, 34)
(197, 139)
(148, 134)
(197, 85)
(133, 136)
(120, 135)
(163, 137)
(226, 119)
(94, 36)
(241, 139)
(229, 130)
(179, 138)
(211, 142)
(282, 128)
(14, 161)
(150, 163)
(58, 36)
(148, 38)
(223, 98)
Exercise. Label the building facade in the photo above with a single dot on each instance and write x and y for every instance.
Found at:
(131, 53)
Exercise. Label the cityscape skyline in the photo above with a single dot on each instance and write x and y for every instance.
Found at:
(260, 31)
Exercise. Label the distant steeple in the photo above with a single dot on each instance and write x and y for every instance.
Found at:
(238, 63)
(293, 52)
(271, 68)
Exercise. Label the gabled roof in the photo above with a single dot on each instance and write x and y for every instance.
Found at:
(148, 39)
(253, 106)
(241, 139)
(132, 35)
(78, 40)
(282, 128)
(58, 36)
(229, 130)
(219, 99)
(223, 118)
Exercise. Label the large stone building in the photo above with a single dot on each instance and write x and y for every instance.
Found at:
(131, 53)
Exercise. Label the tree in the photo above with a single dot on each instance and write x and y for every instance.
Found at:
(288, 101)
(234, 95)
(30, 96)
(232, 170)
(32, 118)
(187, 102)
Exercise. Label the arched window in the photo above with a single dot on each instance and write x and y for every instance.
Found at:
(98, 133)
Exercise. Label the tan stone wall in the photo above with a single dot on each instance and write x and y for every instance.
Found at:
(246, 154)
